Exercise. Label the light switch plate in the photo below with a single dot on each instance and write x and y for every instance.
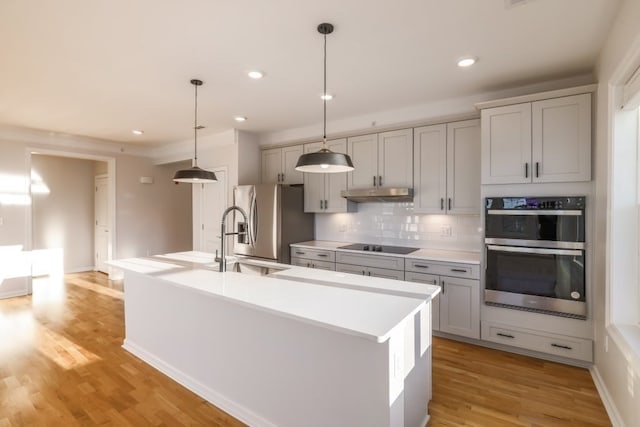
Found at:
(445, 231)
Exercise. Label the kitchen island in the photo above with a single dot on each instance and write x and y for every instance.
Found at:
(275, 346)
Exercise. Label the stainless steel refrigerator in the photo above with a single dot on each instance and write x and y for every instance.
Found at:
(276, 218)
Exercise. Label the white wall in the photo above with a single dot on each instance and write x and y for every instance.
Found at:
(620, 377)
(63, 216)
(149, 218)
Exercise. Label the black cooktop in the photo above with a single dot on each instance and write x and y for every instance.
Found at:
(368, 247)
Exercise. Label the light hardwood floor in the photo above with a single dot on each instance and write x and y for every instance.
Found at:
(61, 364)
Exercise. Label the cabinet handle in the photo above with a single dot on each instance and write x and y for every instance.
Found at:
(420, 265)
(323, 255)
(459, 270)
(435, 282)
(442, 287)
(326, 205)
(309, 265)
(526, 170)
(313, 265)
(537, 169)
(449, 203)
(369, 274)
(564, 347)
(320, 204)
(379, 180)
(500, 334)
(441, 203)
(300, 253)
(374, 180)
(282, 177)
(363, 273)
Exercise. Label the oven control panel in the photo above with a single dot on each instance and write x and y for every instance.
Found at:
(533, 203)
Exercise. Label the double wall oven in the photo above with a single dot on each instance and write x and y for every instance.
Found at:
(535, 254)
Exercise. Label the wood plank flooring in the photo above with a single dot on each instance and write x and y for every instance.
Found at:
(61, 364)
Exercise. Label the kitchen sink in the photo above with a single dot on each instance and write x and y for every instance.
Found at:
(254, 269)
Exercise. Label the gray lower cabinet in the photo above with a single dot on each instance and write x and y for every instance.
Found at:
(313, 258)
(385, 266)
(457, 309)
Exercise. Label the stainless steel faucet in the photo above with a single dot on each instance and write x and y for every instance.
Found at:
(224, 234)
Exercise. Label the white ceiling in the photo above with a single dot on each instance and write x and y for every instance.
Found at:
(101, 68)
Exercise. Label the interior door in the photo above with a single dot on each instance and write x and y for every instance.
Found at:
(102, 229)
(210, 201)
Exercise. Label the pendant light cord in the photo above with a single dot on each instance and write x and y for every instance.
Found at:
(195, 129)
(324, 96)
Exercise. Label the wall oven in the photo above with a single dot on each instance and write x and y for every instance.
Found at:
(535, 254)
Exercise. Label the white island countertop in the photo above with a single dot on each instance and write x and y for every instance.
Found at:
(362, 306)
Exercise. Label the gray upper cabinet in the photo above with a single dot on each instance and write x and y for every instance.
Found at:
(541, 141)
(381, 160)
(447, 169)
(322, 190)
(278, 165)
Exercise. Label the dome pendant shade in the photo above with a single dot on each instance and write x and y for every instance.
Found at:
(324, 161)
(195, 175)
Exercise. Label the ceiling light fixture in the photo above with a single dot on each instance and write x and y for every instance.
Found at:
(324, 160)
(137, 131)
(195, 175)
(467, 61)
(240, 119)
(255, 74)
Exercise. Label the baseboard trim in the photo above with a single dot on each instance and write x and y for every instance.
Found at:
(607, 401)
(237, 411)
(14, 294)
(79, 270)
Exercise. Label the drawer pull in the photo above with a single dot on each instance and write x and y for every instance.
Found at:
(500, 334)
(323, 255)
(565, 347)
(459, 270)
(420, 266)
(300, 253)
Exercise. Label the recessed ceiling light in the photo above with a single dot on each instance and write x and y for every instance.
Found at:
(467, 61)
(137, 132)
(327, 97)
(240, 119)
(255, 74)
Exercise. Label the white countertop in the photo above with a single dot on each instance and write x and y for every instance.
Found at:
(423, 254)
(363, 306)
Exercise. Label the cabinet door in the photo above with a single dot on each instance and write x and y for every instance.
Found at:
(395, 158)
(429, 279)
(460, 306)
(352, 269)
(463, 168)
(429, 169)
(561, 132)
(364, 155)
(299, 262)
(290, 156)
(336, 182)
(271, 165)
(314, 184)
(506, 144)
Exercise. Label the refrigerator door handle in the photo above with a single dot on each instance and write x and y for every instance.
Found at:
(253, 220)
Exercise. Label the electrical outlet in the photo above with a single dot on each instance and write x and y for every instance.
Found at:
(445, 231)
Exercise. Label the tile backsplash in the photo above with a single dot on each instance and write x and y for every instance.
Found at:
(397, 224)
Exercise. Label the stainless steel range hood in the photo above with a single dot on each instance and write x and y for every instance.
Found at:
(396, 194)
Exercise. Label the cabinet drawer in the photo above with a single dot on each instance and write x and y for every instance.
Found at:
(382, 261)
(384, 273)
(309, 263)
(559, 345)
(467, 271)
(315, 254)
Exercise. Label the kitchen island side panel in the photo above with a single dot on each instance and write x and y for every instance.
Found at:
(262, 368)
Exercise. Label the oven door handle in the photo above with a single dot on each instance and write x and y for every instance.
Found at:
(533, 212)
(542, 251)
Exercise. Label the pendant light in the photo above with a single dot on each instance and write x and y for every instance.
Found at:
(324, 160)
(195, 175)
